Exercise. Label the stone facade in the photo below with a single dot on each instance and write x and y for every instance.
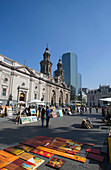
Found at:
(94, 95)
(20, 83)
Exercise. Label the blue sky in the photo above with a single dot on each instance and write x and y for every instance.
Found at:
(79, 26)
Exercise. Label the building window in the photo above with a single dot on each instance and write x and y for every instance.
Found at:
(4, 92)
(23, 84)
(5, 79)
(35, 96)
(35, 87)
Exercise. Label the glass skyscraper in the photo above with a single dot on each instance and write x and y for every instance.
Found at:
(70, 68)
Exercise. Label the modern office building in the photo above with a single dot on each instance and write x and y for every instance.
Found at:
(79, 87)
(79, 83)
(70, 68)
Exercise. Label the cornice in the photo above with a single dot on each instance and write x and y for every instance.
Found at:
(31, 74)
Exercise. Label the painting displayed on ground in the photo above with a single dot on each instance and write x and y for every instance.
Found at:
(9, 111)
(47, 147)
(42, 153)
(54, 115)
(24, 147)
(60, 113)
(37, 140)
(28, 119)
(55, 163)
(95, 157)
(25, 156)
(36, 161)
(15, 151)
(63, 154)
(64, 146)
(6, 157)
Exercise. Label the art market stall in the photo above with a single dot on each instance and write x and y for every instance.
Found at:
(28, 153)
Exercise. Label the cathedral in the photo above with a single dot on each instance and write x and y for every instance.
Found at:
(21, 83)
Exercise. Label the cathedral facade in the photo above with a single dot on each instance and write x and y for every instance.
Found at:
(21, 83)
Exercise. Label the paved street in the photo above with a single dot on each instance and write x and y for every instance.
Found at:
(64, 127)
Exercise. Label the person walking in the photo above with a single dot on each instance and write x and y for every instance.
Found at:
(96, 109)
(39, 112)
(43, 116)
(48, 111)
(90, 109)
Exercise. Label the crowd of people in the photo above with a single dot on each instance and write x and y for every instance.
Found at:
(42, 113)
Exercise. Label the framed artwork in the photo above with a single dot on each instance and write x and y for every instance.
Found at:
(54, 115)
(33, 111)
(55, 163)
(6, 157)
(38, 141)
(26, 156)
(24, 147)
(95, 157)
(91, 150)
(63, 154)
(42, 153)
(13, 150)
(36, 161)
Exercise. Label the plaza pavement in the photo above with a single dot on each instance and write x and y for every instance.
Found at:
(65, 127)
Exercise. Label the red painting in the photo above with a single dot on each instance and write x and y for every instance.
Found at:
(42, 153)
(96, 151)
(95, 157)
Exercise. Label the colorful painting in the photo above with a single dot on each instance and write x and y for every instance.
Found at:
(26, 119)
(26, 156)
(13, 150)
(6, 157)
(55, 163)
(70, 156)
(28, 166)
(36, 161)
(64, 146)
(33, 111)
(78, 142)
(60, 113)
(3, 162)
(24, 147)
(54, 115)
(34, 118)
(42, 153)
(9, 111)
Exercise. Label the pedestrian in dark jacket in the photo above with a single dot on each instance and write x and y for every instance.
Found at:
(43, 116)
(48, 111)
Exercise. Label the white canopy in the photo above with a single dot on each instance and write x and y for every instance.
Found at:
(37, 102)
(21, 102)
(106, 99)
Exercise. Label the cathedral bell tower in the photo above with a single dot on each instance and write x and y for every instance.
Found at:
(46, 64)
(59, 73)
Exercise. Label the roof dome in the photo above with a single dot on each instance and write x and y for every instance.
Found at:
(47, 51)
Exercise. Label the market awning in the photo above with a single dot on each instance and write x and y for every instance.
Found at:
(38, 102)
(106, 99)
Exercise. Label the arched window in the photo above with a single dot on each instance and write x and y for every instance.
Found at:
(5, 79)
